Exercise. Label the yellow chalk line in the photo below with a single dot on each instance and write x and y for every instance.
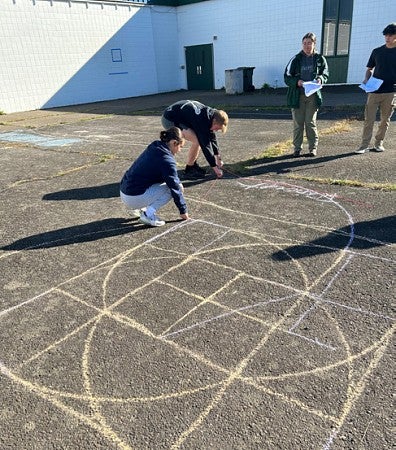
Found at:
(108, 434)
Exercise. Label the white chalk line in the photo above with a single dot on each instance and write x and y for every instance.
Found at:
(359, 387)
(224, 315)
(92, 269)
(319, 297)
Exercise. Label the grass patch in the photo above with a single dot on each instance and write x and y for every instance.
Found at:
(272, 152)
(339, 127)
(104, 158)
(351, 183)
(283, 148)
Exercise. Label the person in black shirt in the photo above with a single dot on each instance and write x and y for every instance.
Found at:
(381, 65)
(198, 123)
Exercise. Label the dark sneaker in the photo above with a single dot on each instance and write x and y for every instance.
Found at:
(194, 171)
(296, 153)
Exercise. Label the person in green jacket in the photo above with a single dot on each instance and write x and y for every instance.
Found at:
(306, 66)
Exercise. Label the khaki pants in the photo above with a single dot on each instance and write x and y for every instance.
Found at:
(385, 103)
(305, 115)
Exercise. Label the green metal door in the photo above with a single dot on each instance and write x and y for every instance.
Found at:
(199, 64)
(337, 20)
(338, 69)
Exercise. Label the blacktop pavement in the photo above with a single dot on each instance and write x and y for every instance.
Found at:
(266, 321)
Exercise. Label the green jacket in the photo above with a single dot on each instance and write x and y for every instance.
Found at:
(293, 74)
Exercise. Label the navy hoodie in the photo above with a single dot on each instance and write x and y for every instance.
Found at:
(155, 165)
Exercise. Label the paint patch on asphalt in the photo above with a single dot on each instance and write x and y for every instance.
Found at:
(35, 139)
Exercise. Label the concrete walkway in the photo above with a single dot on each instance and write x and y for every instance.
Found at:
(335, 97)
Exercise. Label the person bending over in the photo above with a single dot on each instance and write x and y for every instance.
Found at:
(152, 180)
(199, 124)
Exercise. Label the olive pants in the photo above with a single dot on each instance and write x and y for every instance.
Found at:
(305, 116)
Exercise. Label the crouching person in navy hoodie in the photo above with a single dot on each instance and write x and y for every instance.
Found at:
(152, 180)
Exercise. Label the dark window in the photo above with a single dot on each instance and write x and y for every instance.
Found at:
(337, 27)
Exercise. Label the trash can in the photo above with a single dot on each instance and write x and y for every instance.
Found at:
(234, 81)
(239, 80)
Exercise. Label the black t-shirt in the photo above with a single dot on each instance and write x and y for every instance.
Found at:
(383, 60)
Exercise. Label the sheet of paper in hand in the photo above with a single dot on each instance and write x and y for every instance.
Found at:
(310, 87)
(372, 84)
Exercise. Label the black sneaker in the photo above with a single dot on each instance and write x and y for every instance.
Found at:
(194, 171)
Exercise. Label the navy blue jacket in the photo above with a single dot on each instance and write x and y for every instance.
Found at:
(155, 165)
(198, 117)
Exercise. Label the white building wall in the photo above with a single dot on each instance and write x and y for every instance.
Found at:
(266, 34)
(57, 53)
(165, 29)
(368, 21)
(62, 52)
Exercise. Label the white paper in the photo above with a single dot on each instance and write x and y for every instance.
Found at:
(372, 84)
(310, 87)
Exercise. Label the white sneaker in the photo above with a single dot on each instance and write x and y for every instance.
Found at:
(134, 212)
(361, 150)
(379, 148)
(152, 221)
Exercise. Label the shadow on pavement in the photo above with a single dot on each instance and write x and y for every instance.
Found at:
(88, 232)
(281, 164)
(360, 236)
(110, 190)
(249, 167)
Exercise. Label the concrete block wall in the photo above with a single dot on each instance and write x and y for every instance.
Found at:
(57, 53)
(164, 21)
(63, 52)
(368, 21)
(266, 34)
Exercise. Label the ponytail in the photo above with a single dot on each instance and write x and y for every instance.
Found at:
(170, 134)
